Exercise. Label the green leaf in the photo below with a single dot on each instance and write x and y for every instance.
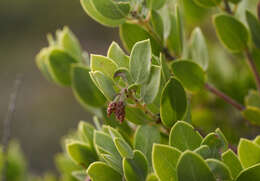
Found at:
(190, 162)
(207, 3)
(145, 137)
(136, 116)
(140, 61)
(215, 144)
(235, 1)
(69, 42)
(157, 24)
(198, 48)
(223, 140)
(150, 89)
(130, 34)
(93, 13)
(173, 102)
(80, 175)
(190, 74)
(103, 64)
(248, 153)
(60, 64)
(232, 161)
(96, 168)
(86, 133)
(123, 148)
(117, 54)
(252, 114)
(219, 169)
(84, 89)
(104, 144)
(155, 4)
(166, 73)
(253, 99)
(250, 174)
(105, 84)
(113, 163)
(135, 169)
(42, 63)
(112, 9)
(81, 153)
(232, 33)
(184, 137)
(204, 151)
(152, 177)
(257, 140)
(254, 26)
(165, 162)
(175, 39)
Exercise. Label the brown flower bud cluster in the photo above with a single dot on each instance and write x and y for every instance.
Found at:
(118, 108)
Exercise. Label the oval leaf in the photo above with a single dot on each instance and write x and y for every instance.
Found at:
(190, 162)
(190, 74)
(232, 33)
(165, 162)
(173, 102)
(219, 169)
(250, 174)
(184, 137)
(254, 26)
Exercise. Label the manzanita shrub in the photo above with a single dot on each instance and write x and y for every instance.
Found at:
(143, 97)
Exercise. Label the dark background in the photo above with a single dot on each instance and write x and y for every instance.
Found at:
(45, 112)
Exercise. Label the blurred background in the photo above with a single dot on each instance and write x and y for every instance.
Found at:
(45, 112)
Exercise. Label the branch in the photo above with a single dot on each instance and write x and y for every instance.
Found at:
(227, 7)
(7, 122)
(252, 65)
(224, 97)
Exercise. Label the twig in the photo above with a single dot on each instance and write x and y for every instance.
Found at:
(7, 123)
(224, 97)
(227, 7)
(252, 65)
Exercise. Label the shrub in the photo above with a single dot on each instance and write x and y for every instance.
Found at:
(141, 97)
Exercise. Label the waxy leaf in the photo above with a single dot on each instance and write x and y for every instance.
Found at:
(113, 163)
(184, 137)
(165, 162)
(80, 175)
(96, 168)
(207, 3)
(155, 4)
(199, 49)
(105, 84)
(84, 89)
(60, 64)
(253, 99)
(250, 174)
(136, 168)
(215, 144)
(173, 102)
(248, 153)
(140, 61)
(86, 133)
(69, 42)
(152, 177)
(81, 153)
(257, 140)
(157, 23)
(144, 139)
(117, 54)
(232, 33)
(219, 169)
(130, 34)
(136, 116)
(123, 148)
(252, 114)
(254, 26)
(204, 151)
(103, 64)
(234, 1)
(191, 167)
(233, 163)
(112, 9)
(175, 39)
(97, 16)
(150, 90)
(190, 74)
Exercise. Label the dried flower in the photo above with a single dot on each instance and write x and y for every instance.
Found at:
(118, 108)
